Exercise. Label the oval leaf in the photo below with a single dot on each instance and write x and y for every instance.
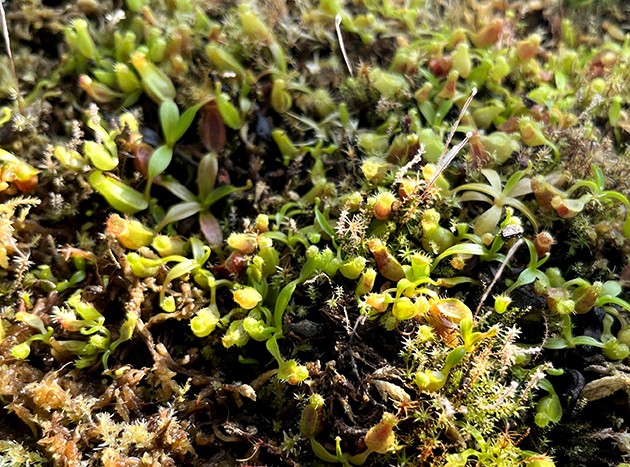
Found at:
(159, 161)
(210, 229)
(207, 175)
(169, 116)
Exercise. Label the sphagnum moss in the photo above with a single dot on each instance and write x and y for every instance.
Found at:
(294, 249)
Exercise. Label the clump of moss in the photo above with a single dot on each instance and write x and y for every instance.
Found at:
(271, 231)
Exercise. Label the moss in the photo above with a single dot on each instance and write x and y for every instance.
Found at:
(325, 235)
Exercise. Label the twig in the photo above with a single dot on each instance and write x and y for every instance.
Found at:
(7, 44)
(445, 158)
(504, 263)
(341, 44)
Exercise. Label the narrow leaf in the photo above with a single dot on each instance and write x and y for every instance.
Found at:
(323, 223)
(586, 340)
(169, 116)
(223, 191)
(426, 109)
(282, 302)
(178, 212)
(184, 122)
(274, 349)
(444, 108)
(207, 175)
(460, 249)
(555, 343)
(179, 270)
(176, 188)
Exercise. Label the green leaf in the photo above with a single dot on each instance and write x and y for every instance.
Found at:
(184, 122)
(177, 188)
(488, 221)
(179, 270)
(200, 252)
(475, 196)
(121, 197)
(542, 95)
(444, 108)
(323, 223)
(517, 185)
(31, 320)
(556, 343)
(453, 281)
(454, 357)
(527, 277)
(562, 80)
(169, 116)
(480, 187)
(207, 175)
(426, 109)
(274, 350)
(466, 327)
(598, 174)
(515, 203)
(159, 161)
(494, 179)
(611, 288)
(586, 340)
(551, 371)
(275, 235)
(322, 453)
(282, 302)
(479, 74)
(178, 212)
(459, 249)
(223, 191)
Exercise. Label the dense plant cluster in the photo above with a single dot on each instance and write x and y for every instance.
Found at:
(310, 233)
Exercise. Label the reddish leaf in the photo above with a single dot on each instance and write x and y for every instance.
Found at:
(212, 128)
(211, 229)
